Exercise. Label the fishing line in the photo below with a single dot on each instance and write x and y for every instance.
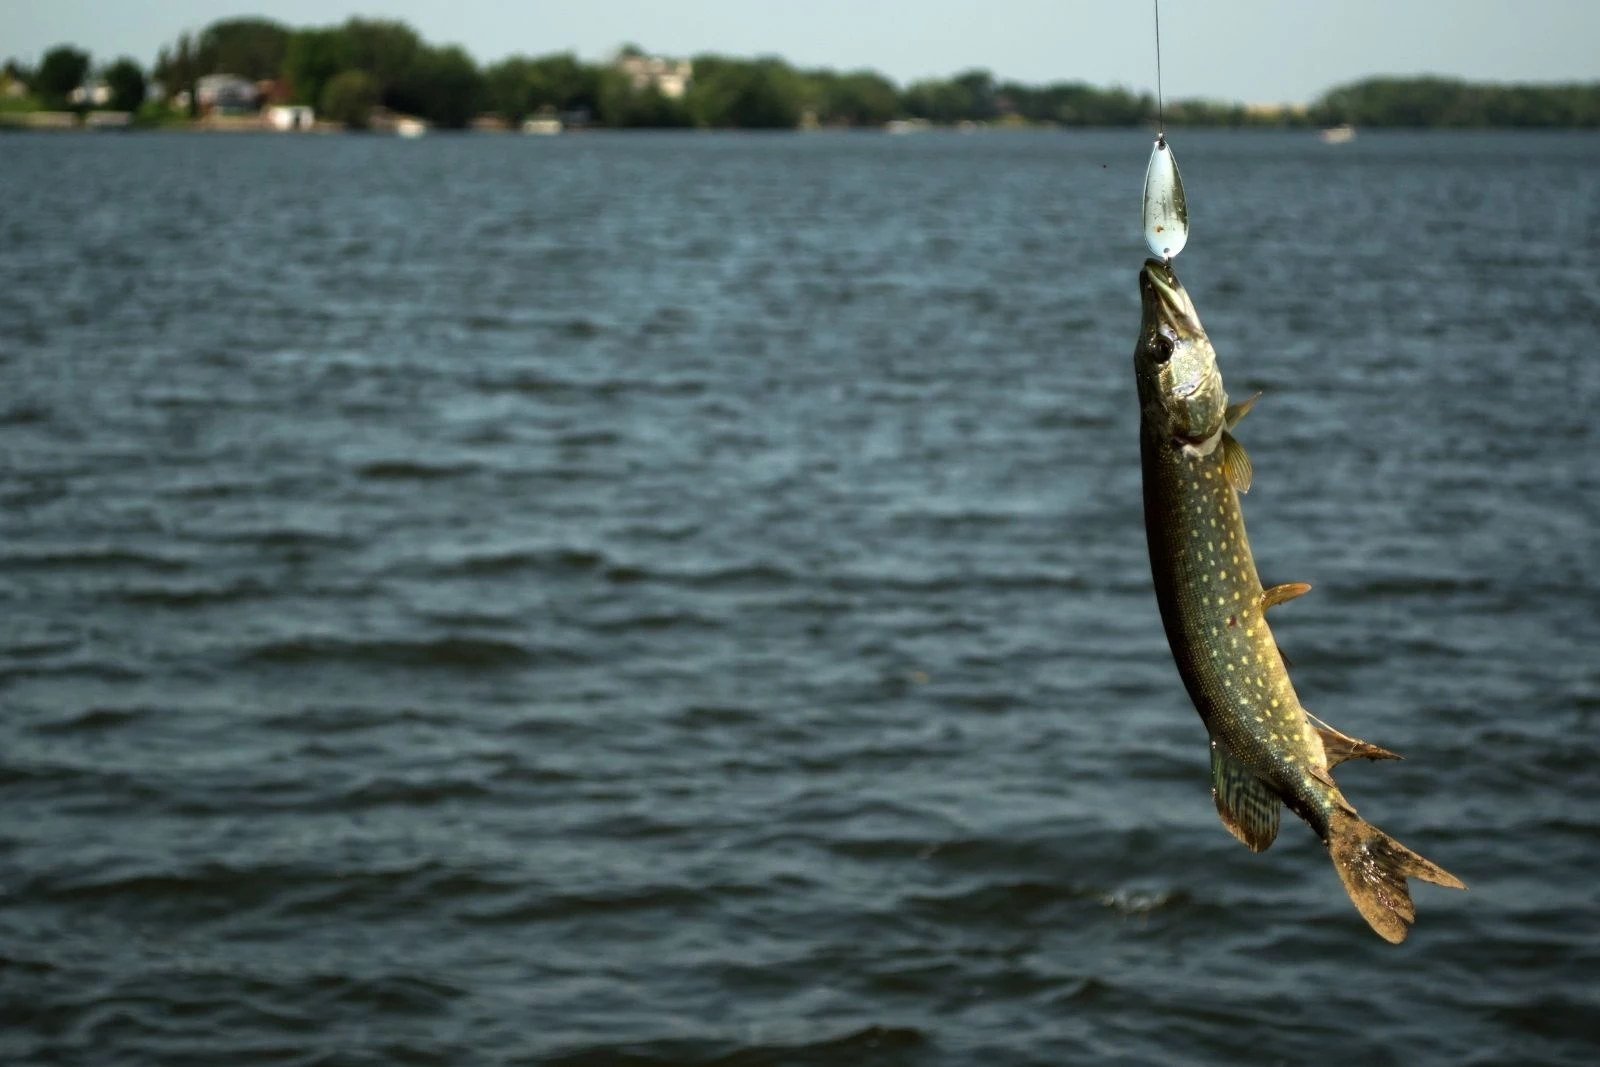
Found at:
(1161, 116)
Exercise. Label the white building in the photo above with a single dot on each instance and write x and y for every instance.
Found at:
(291, 117)
(96, 94)
(669, 77)
(227, 93)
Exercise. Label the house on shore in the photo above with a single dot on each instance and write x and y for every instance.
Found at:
(669, 77)
(94, 93)
(226, 94)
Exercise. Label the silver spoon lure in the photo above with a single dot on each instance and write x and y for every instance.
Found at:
(1166, 213)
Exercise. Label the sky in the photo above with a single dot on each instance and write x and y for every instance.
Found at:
(1252, 51)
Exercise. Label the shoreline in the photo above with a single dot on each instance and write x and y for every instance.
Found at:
(10, 125)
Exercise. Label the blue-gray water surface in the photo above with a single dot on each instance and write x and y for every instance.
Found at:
(678, 600)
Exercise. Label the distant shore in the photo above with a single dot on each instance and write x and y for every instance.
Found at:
(381, 74)
(62, 123)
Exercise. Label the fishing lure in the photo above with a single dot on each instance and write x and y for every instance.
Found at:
(1166, 213)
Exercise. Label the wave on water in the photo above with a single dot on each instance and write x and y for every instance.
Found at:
(194, 594)
(869, 1046)
(458, 653)
(404, 470)
(96, 720)
(84, 557)
(558, 560)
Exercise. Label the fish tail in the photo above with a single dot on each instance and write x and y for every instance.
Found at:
(1374, 867)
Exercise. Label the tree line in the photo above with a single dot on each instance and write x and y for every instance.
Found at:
(1456, 104)
(346, 71)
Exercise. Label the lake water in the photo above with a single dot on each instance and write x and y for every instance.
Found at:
(682, 599)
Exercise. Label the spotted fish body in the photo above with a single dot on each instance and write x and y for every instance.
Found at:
(1266, 752)
(1214, 609)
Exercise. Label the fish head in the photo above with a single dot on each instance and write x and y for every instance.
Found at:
(1180, 387)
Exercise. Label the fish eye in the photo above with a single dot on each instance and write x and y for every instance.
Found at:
(1163, 347)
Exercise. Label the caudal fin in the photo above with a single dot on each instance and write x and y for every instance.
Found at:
(1374, 867)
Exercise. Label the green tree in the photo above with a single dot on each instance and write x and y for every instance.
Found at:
(178, 68)
(125, 79)
(311, 59)
(760, 94)
(938, 101)
(505, 88)
(968, 97)
(62, 70)
(443, 86)
(1417, 102)
(561, 81)
(859, 98)
(618, 104)
(249, 47)
(519, 86)
(349, 97)
(978, 92)
(386, 49)
(18, 72)
(613, 97)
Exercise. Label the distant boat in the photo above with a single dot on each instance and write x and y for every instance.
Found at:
(108, 120)
(409, 127)
(907, 126)
(544, 126)
(1340, 134)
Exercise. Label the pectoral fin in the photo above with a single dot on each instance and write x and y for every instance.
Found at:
(1248, 808)
(1235, 412)
(1341, 747)
(1278, 594)
(1235, 463)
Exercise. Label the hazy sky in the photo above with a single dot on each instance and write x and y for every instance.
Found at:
(1247, 50)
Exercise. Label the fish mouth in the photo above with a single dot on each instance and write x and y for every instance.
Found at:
(1164, 297)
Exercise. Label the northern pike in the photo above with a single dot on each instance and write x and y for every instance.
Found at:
(1266, 750)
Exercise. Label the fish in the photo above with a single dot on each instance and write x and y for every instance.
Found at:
(1267, 751)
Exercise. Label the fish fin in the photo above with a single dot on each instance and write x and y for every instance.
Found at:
(1235, 463)
(1248, 808)
(1341, 747)
(1280, 594)
(1235, 412)
(1374, 867)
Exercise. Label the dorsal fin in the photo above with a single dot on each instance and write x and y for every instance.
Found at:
(1279, 594)
(1248, 808)
(1235, 463)
(1235, 412)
